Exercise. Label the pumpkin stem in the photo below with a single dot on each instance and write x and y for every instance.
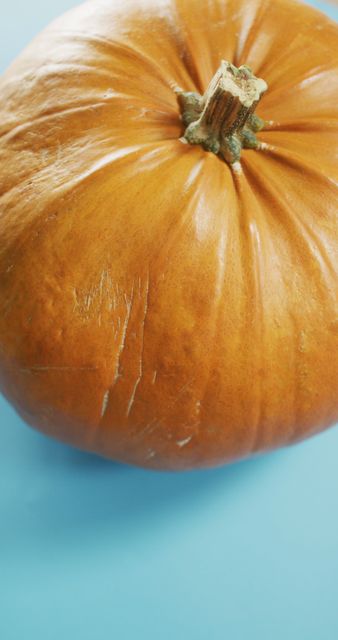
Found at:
(223, 120)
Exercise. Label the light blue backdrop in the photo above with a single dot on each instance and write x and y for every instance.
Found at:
(91, 550)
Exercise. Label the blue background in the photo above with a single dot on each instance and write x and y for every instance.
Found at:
(94, 550)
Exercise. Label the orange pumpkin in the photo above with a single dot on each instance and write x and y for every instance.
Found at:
(168, 296)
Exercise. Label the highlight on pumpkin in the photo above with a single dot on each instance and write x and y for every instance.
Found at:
(223, 119)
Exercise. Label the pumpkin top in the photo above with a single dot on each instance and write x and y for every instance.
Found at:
(223, 120)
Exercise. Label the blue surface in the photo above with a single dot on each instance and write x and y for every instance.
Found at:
(93, 550)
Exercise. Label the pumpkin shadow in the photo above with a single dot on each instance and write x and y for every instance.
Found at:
(64, 495)
(86, 493)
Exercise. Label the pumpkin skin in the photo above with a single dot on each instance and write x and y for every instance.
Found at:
(157, 305)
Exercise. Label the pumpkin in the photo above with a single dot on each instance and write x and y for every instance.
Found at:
(168, 258)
